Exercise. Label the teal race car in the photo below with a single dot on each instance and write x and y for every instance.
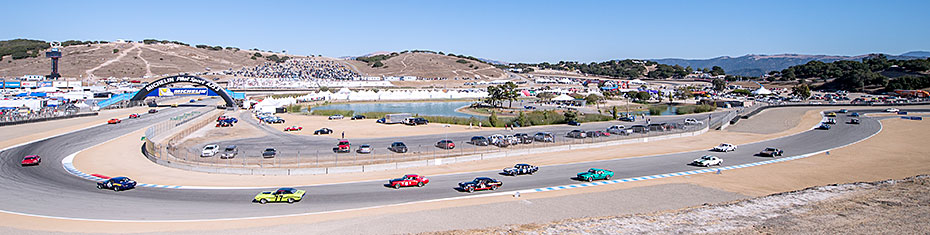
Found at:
(289, 195)
(595, 174)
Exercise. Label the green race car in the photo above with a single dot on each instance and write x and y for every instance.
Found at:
(289, 195)
(595, 174)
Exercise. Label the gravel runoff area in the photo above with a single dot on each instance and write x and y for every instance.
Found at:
(881, 207)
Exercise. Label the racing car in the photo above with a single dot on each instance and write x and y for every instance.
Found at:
(116, 183)
(134, 115)
(293, 128)
(520, 169)
(725, 148)
(707, 160)
(595, 174)
(854, 121)
(408, 180)
(289, 195)
(153, 110)
(114, 121)
(771, 152)
(480, 183)
(31, 160)
(831, 114)
(342, 147)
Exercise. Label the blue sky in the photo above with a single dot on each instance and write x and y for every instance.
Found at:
(512, 31)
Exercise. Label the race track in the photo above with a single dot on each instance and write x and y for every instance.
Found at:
(48, 190)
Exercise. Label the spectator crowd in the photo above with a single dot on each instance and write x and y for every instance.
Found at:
(301, 69)
(8, 114)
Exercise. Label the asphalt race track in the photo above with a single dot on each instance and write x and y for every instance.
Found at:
(48, 190)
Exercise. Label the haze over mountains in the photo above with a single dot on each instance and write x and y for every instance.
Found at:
(757, 65)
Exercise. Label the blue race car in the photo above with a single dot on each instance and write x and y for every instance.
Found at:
(116, 183)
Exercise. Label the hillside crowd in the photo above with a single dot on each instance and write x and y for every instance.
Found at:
(302, 69)
(21, 114)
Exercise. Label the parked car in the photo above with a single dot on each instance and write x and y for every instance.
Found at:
(692, 121)
(639, 129)
(293, 128)
(364, 149)
(323, 131)
(380, 120)
(578, 134)
(414, 121)
(153, 110)
(524, 138)
(824, 126)
(771, 152)
(480, 183)
(628, 118)
(724, 147)
(595, 174)
(445, 144)
(114, 121)
(619, 130)
(520, 169)
(289, 195)
(573, 123)
(31, 160)
(337, 116)
(707, 160)
(499, 140)
(342, 147)
(407, 181)
(544, 137)
(274, 120)
(398, 147)
(269, 153)
(358, 117)
(479, 140)
(210, 150)
(229, 152)
(854, 121)
(116, 183)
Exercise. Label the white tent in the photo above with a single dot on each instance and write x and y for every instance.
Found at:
(563, 97)
(762, 91)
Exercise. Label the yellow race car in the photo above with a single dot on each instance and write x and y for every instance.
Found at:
(289, 195)
(831, 114)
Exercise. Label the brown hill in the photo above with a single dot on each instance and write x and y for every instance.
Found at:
(134, 60)
(429, 65)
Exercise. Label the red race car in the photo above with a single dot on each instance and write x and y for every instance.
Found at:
(31, 160)
(134, 115)
(223, 124)
(408, 180)
(293, 128)
(114, 121)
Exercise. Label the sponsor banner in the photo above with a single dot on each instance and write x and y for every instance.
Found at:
(45, 84)
(29, 84)
(168, 92)
(60, 84)
(74, 84)
(12, 85)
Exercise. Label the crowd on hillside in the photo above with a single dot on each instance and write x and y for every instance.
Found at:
(302, 69)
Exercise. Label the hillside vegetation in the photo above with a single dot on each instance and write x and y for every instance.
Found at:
(871, 73)
(426, 64)
(150, 57)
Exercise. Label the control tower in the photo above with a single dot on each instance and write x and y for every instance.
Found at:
(55, 54)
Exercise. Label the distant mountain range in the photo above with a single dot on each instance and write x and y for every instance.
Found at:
(757, 65)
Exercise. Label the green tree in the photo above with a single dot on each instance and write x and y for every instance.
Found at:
(801, 90)
(377, 64)
(594, 98)
(613, 112)
(493, 119)
(717, 70)
(571, 116)
(545, 96)
(523, 120)
(719, 84)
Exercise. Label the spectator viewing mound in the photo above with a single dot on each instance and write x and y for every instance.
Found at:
(426, 64)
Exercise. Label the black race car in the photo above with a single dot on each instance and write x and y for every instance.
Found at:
(116, 183)
(771, 152)
(520, 169)
(480, 183)
(358, 117)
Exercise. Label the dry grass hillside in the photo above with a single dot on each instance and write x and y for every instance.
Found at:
(133, 60)
(429, 65)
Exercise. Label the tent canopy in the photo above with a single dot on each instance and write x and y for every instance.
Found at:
(563, 97)
(762, 91)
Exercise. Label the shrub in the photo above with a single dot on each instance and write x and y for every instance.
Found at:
(294, 108)
(493, 119)
(657, 109)
(331, 112)
(115, 51)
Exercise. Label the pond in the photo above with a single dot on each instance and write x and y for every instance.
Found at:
(421, 108)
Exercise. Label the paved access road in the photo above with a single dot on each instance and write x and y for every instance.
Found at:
(49, 191)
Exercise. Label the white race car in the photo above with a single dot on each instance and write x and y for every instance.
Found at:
(707, 160)
(892, 110)
(724, 147)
